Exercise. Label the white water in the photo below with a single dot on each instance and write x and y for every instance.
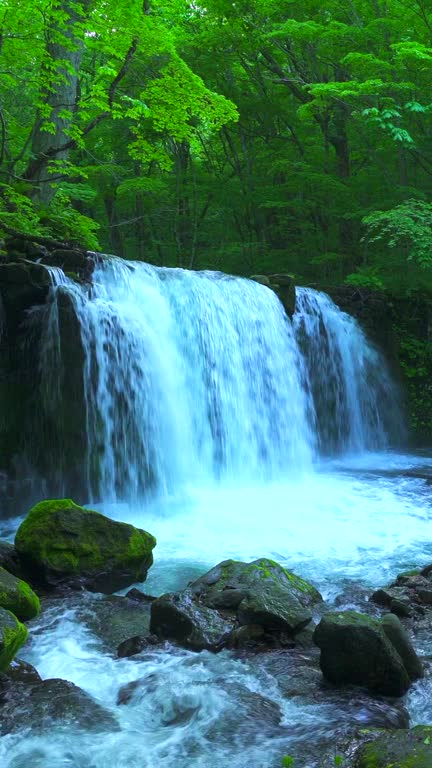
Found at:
(200, 378)
(201, 382)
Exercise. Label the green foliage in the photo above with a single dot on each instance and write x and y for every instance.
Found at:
(249, 137)
(287, 761)
(408, 227)
(366, 277)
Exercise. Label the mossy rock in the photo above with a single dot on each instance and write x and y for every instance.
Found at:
(355, 650)
(18, 597)
(61, 542)
(262, 593)
(397, 749)
(13, 635)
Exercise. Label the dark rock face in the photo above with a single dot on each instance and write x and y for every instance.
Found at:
(9, 559)
(62, 543)
(233, 604)
(45, 703)
(359, 650)
(284, 288)
(41, 443)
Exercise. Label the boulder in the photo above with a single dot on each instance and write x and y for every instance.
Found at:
(60, 542)
(261, 592)
(410, 748)
(18, 597)
(179, 617)
(261, 595)
(356, 650)
(13, 635)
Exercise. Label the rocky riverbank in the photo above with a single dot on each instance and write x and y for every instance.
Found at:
(259, 612)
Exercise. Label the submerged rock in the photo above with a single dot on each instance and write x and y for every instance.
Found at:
(114, 619)
(359, 650)
(134, 645)
(60, 542)
(261, 595)
(51, 702)
(18, 597)
(13, 635)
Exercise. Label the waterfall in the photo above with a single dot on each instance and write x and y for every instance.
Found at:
(356, 404)
(198, 377)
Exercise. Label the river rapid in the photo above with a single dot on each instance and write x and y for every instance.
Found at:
(349, 526)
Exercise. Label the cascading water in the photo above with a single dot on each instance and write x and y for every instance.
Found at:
(199, 377)
(356, 403)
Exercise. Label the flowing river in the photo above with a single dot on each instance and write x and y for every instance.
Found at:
(226, 430)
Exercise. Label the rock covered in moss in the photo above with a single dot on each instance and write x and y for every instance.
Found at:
(60, 542)
(261, 594)
(396, 749)
(357, 650)
(13, 635)
(18, 597)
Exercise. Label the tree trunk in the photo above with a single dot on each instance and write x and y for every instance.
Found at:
(64, 51)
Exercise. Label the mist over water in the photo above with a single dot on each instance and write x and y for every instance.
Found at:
(227, 430)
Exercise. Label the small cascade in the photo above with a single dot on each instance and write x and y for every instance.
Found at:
(174, 377)
(356, 402)
(57, 276)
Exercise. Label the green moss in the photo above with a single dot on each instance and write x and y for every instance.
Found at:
(58, 536)
(18, 597)
(13, 635)
(397, 749)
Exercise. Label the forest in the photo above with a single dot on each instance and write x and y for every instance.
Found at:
(244, 136)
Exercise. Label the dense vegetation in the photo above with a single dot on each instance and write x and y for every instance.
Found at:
(248, 136)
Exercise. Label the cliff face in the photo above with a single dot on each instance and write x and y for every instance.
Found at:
(42, 442)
